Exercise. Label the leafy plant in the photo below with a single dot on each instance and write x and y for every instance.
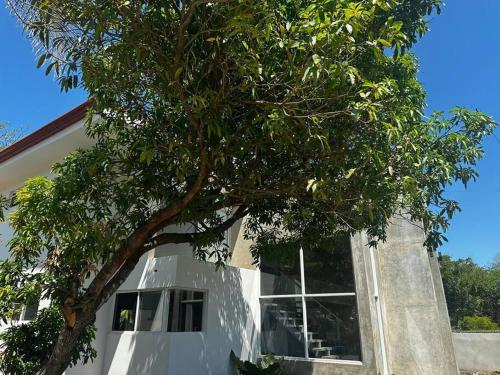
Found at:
(477, 323)
(26, 347)
(268, 365)
(470, 290)
(7, 136)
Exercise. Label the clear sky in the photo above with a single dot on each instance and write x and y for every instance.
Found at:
(460, 65)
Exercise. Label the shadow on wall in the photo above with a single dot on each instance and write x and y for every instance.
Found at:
(229, 323)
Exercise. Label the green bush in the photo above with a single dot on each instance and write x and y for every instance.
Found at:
(18, 358)
(477, 323)
(267, 366)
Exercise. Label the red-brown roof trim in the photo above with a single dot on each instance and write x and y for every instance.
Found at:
(53, 127)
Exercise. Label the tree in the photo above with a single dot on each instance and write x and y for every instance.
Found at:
(43, 330)
(290, 113)
(496, 262)
(471, 291)
(7, 136)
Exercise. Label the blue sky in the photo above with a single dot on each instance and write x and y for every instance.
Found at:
(459, 65)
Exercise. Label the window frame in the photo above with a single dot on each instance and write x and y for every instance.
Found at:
(136, 311)
(21, 318)
(164, 312)
(25, 309)
(303, 296)
(161, 305)
(204, 309)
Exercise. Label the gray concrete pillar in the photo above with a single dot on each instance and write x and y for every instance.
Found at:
(416, 325)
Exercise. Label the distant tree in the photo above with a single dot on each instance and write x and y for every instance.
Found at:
(305, 116)
(494, 282)
(495, 264)
(471, 290)
(7, 136)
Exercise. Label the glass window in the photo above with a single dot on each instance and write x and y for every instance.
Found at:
(125, 309)
(317, 282)
(185, 312)
(30, 311)
(332, 325)
(13, 199)
(282, 327)
(328, 267)
(150, 311)
(280, 272)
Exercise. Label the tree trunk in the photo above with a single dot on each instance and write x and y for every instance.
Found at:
(61, 355)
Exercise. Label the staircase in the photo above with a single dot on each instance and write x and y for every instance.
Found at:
(292, 321)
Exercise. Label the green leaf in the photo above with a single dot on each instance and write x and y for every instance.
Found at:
(41, 60)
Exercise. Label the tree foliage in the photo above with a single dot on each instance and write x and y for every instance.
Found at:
(268, 365)
(26, 347)
(7, 136)
(304, 116)
(471, 291)
(477, 323)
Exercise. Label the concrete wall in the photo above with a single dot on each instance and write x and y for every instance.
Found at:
(417, 329)
(477, 351)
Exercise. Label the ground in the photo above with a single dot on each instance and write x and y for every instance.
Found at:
(479, 373)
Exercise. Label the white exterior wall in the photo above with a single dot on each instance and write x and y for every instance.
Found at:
(230, 322)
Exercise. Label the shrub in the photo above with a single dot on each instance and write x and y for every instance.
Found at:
(17, 358)
(477, 323)
(267, 366)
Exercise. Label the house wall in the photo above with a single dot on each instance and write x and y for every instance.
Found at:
(477, 351)
(230, 322)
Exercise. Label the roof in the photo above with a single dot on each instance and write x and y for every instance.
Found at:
(46, 131)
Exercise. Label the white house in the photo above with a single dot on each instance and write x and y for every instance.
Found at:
(346, 310)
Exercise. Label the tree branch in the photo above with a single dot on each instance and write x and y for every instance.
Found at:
(165, 238)
(137, 239)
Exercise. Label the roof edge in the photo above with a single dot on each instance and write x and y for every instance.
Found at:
(55, 126)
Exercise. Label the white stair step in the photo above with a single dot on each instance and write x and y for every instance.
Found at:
(325, 349)
(300, 335)
(316, 343)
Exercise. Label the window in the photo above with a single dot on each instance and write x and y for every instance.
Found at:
(125, 309)
(185, 312)
(30, 311)
(150, 311)
(13, 199)
(308, 302)
(27, 312)
(142, 311)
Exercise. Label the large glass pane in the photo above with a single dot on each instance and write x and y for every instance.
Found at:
(328, 267)
(125, 306)
(280, 272)
(185, 312)
(332, 325)
(150, 311)
(282, 331)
